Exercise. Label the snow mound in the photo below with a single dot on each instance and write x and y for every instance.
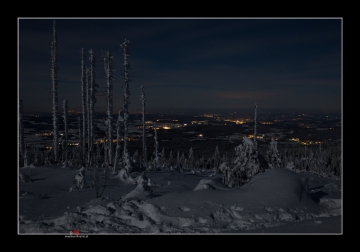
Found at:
(124, 176)
(142, 190)
(209, 183)
(279, 185)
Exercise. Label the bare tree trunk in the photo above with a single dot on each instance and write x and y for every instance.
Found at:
(156, 160)
(108, 63)
(54, 69)
(143, 126)
(65, 149)
(84, 103)
(88, 113)
(127, 67)
(80, 141)
(255, 129)
(92, 103)
(118, 142)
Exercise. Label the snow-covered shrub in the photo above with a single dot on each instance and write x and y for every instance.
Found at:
(79, 180)
(24, 177)
(142, 190)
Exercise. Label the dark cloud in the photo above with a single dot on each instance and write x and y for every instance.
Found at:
(190, 63)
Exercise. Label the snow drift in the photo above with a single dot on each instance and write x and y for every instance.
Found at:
(209, 184)
(271, 200)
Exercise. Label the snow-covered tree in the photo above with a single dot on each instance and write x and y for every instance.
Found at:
(142, 99)
(106, 153)
(80, 139)
(190, 162)
(66, 135)
(87, 71)
(216, 159)
(246, 164)
(79, 180)
(272, 155)
(171, 160)
(156, 160)
(135, 160)
(21, 130)
(178, 160)
(162, 159)
(54, 69)
(182, 161)
(127, 80)
(84, 102)
(108, 64)
(255, 127)
(26, 158)
(119, 125)
(92, 99)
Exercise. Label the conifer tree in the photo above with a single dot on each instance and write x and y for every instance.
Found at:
(171, 160)
(216, 158)
(191, 159)
(156, 151)
(272, 155)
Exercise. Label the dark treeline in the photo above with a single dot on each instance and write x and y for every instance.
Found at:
(324, 159)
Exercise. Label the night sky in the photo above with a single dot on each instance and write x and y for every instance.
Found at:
(198, 64)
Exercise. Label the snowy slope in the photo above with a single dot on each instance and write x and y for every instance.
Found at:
(276, 201)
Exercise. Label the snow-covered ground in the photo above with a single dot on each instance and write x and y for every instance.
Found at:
(276, 201)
